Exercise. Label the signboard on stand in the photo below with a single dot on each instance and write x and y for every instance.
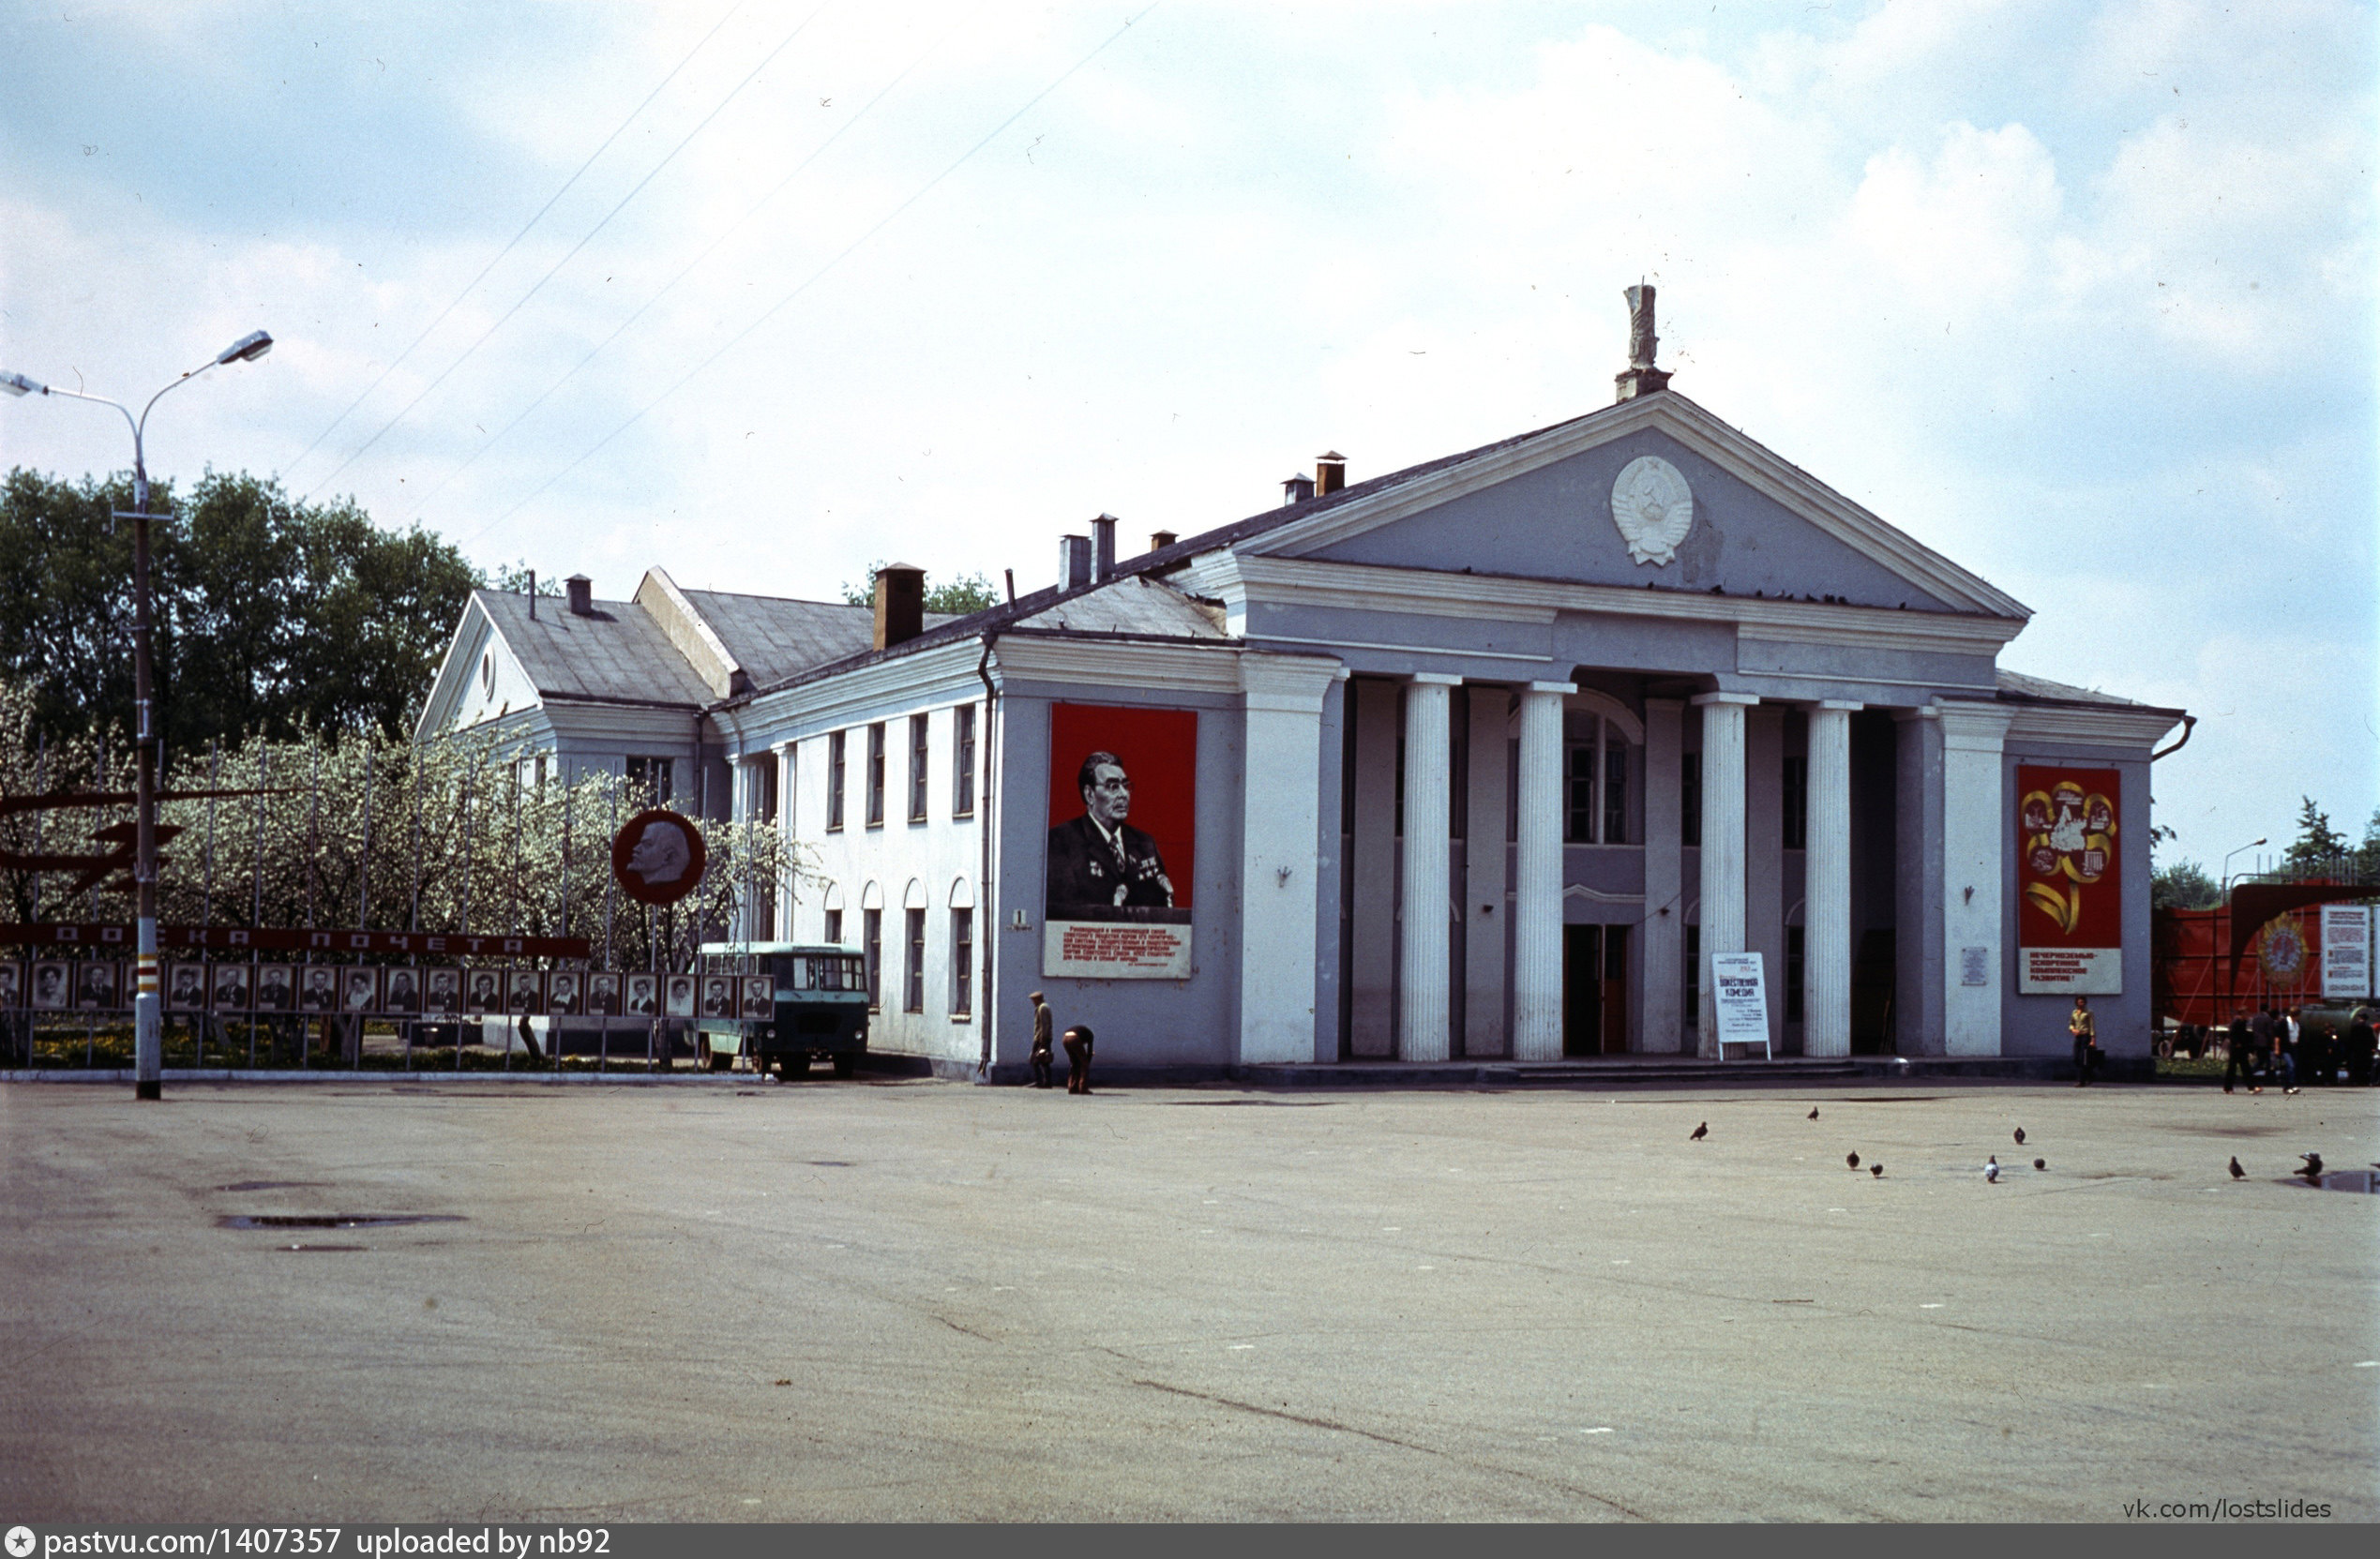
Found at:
(2069, 919)
(1739, 996)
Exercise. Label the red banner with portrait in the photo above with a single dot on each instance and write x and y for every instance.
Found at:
(1123, 842)
(2070, 911)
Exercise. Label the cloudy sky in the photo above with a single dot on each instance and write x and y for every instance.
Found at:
(2080, 294)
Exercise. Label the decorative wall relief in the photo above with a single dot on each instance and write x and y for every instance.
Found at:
(1653, 508)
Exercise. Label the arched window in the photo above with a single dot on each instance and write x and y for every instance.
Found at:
(1603, 745)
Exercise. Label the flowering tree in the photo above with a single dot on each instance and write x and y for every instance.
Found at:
(360, 830)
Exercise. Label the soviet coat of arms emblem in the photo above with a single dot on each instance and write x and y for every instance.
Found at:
(1653, 508)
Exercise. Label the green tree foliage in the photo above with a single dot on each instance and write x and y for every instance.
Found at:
(969, 593)
(272, 616)
(2318, 845)
(2184, 885)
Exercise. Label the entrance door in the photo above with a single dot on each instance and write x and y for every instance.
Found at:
(1594, 990)
(1582, 990)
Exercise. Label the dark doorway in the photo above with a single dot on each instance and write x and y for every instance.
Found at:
(1872, 981)
(1594, 990)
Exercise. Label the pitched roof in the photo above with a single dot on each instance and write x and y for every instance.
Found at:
(2017, 688)
(774, 637)
(616, 655)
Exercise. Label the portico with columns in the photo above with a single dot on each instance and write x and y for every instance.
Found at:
(1627, 693)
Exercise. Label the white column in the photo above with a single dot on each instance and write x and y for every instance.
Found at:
(1826, 949)
(1279, 863)
(1537, 889)
(1424, 948)
(788, 822)
(1975, 829)
(1722, 851)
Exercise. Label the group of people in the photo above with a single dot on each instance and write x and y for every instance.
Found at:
(2272, 1042)
(1076, 1040)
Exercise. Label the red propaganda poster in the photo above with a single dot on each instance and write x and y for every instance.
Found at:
(2069, 914)
(1122, 839)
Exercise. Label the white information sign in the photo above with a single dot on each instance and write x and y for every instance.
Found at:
(2346, 951)
(1739, 996)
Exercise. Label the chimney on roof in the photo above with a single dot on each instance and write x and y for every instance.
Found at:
(1641, 378)
(1160, 540)
(1074, 562)
(901, 604)
(581, 590)
(532, 595)
(1296, 489)
(1330, 473)
(1103, 547)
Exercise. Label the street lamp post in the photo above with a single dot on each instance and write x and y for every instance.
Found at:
(148, 1024)
(2249, 846)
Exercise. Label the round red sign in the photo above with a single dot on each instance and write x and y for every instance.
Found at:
(658, 856)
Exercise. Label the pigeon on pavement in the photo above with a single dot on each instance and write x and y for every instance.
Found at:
(2312, 1168)
(1699, 1132)
(2040, 1164)
(2020, 1136)
(1876, 1170)
(1992, 1170)
(1813, 1112)
(2236, 1172)
(1852, 1159)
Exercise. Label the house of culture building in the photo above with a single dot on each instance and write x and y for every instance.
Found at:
(1484, 758)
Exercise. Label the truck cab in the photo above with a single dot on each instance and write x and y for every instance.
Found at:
(819, 1010)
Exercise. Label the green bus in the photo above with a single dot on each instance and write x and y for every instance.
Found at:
(819, 1010)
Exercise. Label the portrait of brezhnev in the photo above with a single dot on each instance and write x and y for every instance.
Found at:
(1098, 861)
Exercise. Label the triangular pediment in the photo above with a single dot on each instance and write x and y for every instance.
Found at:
(1543, 507)
(481, 678)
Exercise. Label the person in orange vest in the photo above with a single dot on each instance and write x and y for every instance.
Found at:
(2085, 1032)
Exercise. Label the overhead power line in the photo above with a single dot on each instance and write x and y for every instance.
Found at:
(671, 285)
(670, 156)
(805, 285)
(468, 287)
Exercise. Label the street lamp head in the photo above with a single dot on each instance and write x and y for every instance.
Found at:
(18, 384)
(248, 349)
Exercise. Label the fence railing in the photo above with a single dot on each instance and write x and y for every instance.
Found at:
(357, 904)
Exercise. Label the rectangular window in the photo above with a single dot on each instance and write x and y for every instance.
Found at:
(834, 746)
(918, 768)
(872, 949)
(1793, 974)
(1689, 800)
(759, 790)
(1578, 812)
(1615, 787)
(913, 970)
(651, 776)
(962, 762)
(1694, 977)
(834, 926)
(1797, 804)
(876, 775)
(963, 963)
